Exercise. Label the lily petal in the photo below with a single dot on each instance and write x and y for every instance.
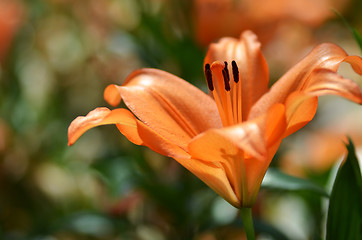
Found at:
(306, 77)
(170, 106)
(252, 141)
(302, 106)
(275, 127)
(213, 148)
(212, 174)
(140, 134)
(253, 68)
(252, 137)
(129, 126)
(216, 147)
(160, 144)
(219, 145)
(336, 85)
(301, 109)
(104, 116)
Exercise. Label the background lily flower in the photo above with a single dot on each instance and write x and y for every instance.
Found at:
(227, 140)
(11, 16)
(215, 19)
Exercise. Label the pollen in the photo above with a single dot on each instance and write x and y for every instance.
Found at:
(227, 92)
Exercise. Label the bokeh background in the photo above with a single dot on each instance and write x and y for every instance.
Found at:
(57, 57)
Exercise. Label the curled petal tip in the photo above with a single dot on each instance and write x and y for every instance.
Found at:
(81, 124)
(112, 95)
(356, 63)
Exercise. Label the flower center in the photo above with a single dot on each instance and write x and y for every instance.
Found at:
(227, 94)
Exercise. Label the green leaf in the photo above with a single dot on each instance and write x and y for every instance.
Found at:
(345, 209)
(274, 179)
(357, 37)
(354, 32)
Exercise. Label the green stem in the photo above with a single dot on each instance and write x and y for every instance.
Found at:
(246, 216)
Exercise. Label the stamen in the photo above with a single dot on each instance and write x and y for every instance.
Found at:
(226, 80)
(235, 71)
(238, 102)
(227, 95)
(208, 76)
(228, 106)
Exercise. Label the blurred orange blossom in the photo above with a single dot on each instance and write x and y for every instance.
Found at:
(217, 18)
(11, 15)
(227, 140)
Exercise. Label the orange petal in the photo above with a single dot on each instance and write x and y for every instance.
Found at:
(129, 126)
(172, 107)
(355, 62)
(214, 148)
(104, 116)
(275, 127)
(323, 81)
(112, 95)
(158, 143)
(302, 106)
(306, 77)
(252, 66)
(252, 137)
(218, 145)
(276, 124)
(301, 109)
(250, 140)
(213, 175)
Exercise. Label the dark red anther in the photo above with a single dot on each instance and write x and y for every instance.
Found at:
(226, 70)
(235, 71)
(208, 76)
(226, 80)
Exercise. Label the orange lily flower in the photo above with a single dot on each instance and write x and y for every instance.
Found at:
(227, 140)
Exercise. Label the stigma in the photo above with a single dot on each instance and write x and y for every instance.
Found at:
(227, 92)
